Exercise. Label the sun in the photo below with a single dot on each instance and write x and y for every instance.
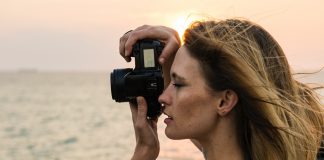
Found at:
(180, 24)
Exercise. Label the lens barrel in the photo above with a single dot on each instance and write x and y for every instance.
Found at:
(117, 84)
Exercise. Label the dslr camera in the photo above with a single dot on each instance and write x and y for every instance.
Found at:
(145, 79)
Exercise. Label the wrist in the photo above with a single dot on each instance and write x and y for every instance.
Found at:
(144, 153)
(142, 157)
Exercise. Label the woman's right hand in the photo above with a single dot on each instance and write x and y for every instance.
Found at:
(147, 142)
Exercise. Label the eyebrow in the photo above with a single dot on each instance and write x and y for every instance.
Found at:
(177, 77)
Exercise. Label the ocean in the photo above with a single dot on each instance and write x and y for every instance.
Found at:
(71, 116)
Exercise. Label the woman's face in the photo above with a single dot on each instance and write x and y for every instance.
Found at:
(189, 104)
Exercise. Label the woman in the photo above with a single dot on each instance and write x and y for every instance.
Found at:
(231, 92)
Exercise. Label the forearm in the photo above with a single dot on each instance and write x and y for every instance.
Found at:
(144, 153)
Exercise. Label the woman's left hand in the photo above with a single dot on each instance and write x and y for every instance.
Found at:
(164, 34)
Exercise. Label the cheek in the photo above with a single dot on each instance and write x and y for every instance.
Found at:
(195, 116)
(195, 105)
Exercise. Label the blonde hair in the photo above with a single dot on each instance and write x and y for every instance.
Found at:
(277, 116)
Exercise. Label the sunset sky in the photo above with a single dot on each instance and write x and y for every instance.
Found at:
(83, 35)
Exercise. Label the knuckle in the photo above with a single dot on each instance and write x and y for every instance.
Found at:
(122, 39)
(130, 39)
(128, 48)
(139, 125)
(175, 41)
(145, 26)
(134, 34)
(175, 32)
(141, 110)
(149, 28)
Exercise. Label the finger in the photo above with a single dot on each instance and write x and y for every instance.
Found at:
(142, 27)
(125, 38)
(133, 109)
(148, 32)
(122, 42)
(141, 110)
(141, 120)
(169, 50)
(154, 124)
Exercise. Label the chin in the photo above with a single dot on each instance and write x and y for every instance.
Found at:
(174, 135)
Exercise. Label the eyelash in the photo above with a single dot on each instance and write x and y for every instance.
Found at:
(177, 85)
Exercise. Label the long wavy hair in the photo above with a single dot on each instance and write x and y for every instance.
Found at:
(277, 116)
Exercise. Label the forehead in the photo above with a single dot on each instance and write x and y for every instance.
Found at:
(185, 65)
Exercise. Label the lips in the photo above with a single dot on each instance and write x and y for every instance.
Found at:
(168, 120)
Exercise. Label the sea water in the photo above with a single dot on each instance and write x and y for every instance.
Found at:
(71, 116)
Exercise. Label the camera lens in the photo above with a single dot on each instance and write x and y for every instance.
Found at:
(117, 84)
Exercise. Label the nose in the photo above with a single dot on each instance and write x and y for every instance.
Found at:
(162, 98)
(165, 98)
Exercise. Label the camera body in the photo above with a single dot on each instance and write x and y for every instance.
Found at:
(145, 79)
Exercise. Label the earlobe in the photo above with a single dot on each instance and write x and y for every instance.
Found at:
(228, 101)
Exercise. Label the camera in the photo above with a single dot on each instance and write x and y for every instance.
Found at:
(145, 79)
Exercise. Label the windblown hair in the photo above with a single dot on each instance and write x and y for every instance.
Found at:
(277, 117)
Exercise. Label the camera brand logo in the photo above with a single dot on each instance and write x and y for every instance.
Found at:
(154, 84)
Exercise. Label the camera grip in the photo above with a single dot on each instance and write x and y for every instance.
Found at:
(154, 108)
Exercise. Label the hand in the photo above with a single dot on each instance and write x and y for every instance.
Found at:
(164, 34)
(147, 142)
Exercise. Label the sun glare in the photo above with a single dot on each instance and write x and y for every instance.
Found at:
(180, 25)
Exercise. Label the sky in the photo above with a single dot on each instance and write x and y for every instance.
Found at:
(83, 35)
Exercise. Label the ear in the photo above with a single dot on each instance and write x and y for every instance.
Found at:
(228, 100)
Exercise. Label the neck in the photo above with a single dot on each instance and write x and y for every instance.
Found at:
(215, 152)
(222, 142)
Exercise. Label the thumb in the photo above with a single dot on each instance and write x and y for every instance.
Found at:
(141, 109)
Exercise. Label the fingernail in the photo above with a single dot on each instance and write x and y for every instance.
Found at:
(139, 100)
(161, 60)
